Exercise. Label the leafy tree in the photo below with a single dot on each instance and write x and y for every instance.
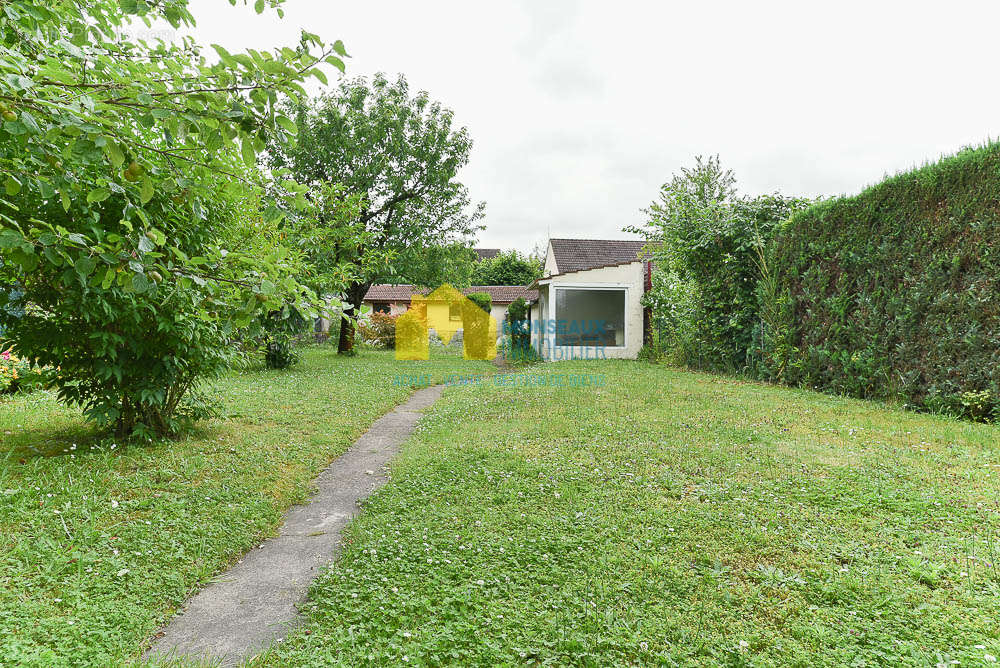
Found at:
(432, 264)
(128, 172)
(709, 244)
(401, 154)
(324, 233)
(506, 268)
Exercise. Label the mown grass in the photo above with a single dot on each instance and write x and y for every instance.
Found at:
(100, 542)
(668, 518)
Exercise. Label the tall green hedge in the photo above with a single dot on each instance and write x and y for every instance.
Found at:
(895, 293)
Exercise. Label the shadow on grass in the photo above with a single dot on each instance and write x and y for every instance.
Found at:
(47, 441)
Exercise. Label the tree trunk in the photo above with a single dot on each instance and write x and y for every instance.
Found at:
(352, 306)
(345, 344)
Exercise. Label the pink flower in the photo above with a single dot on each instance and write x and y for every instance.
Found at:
(5, 354)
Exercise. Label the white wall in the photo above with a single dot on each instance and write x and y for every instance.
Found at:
(499, 313)
(550, 262)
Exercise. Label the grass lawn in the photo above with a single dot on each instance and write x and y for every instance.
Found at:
(100, 543)
(668, 518)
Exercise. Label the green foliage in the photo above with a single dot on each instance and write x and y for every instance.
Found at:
(506, 268)
(481, 299)
(400, 155)
(476, 338)
(19, 375)
(677, 335)
(895, 293)
(517, 327)
(334, 244)
(432, 265)
(280, 331)
(379, 330)
(129, 177)
(707, 244)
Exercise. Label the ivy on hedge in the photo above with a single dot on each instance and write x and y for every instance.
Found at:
(895, 293)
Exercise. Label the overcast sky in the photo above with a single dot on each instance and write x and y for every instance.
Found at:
(581, 109)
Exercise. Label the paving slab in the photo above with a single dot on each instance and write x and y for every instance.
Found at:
(256, 602)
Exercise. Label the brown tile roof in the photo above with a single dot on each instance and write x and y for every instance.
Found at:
(580, 254)
(504, 294)
(486, 253)
(501, 294)
(383, 292)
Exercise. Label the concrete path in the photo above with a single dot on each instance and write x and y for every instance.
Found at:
(255, 602)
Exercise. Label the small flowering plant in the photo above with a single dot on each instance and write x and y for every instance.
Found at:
(18, 374)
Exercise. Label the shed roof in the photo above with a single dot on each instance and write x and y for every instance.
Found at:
(580, 254)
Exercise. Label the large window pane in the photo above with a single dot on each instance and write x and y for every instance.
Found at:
(590, 317)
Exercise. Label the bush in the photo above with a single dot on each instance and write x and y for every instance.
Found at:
(895, 293)
(280, 330)
(678, 336)
(707, 244)
(19, 375)
(518, 333)
(479, 333)
(379, 330)
(132, 271)
(481, 299)
(506, 268)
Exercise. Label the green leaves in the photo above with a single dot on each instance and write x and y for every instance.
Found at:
(287, 124)
(98, 195)
(11, 185)
(147, 134)
(893, 293)
(336, 62)
(85, 266)
(248, 152)
(146, 191)
(115, 153)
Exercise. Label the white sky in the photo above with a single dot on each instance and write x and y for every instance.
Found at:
(580, 109)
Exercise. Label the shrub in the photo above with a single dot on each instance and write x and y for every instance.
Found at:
(280, 329)
(379, 330)
(707, 245)
(677, 334)
(479, 334)
(517, 327)
(895, 293)
(481, 299)
(517, 334)
(507, 268)
(118, 214)
(19, 375)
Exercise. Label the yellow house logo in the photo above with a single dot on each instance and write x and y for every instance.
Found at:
(446, 311)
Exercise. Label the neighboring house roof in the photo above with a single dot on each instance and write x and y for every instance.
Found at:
(501, 294)
(579, 254)
(486, 253)
(504, 294)
(383, 292)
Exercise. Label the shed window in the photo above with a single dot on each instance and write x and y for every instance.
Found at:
(590, 317)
